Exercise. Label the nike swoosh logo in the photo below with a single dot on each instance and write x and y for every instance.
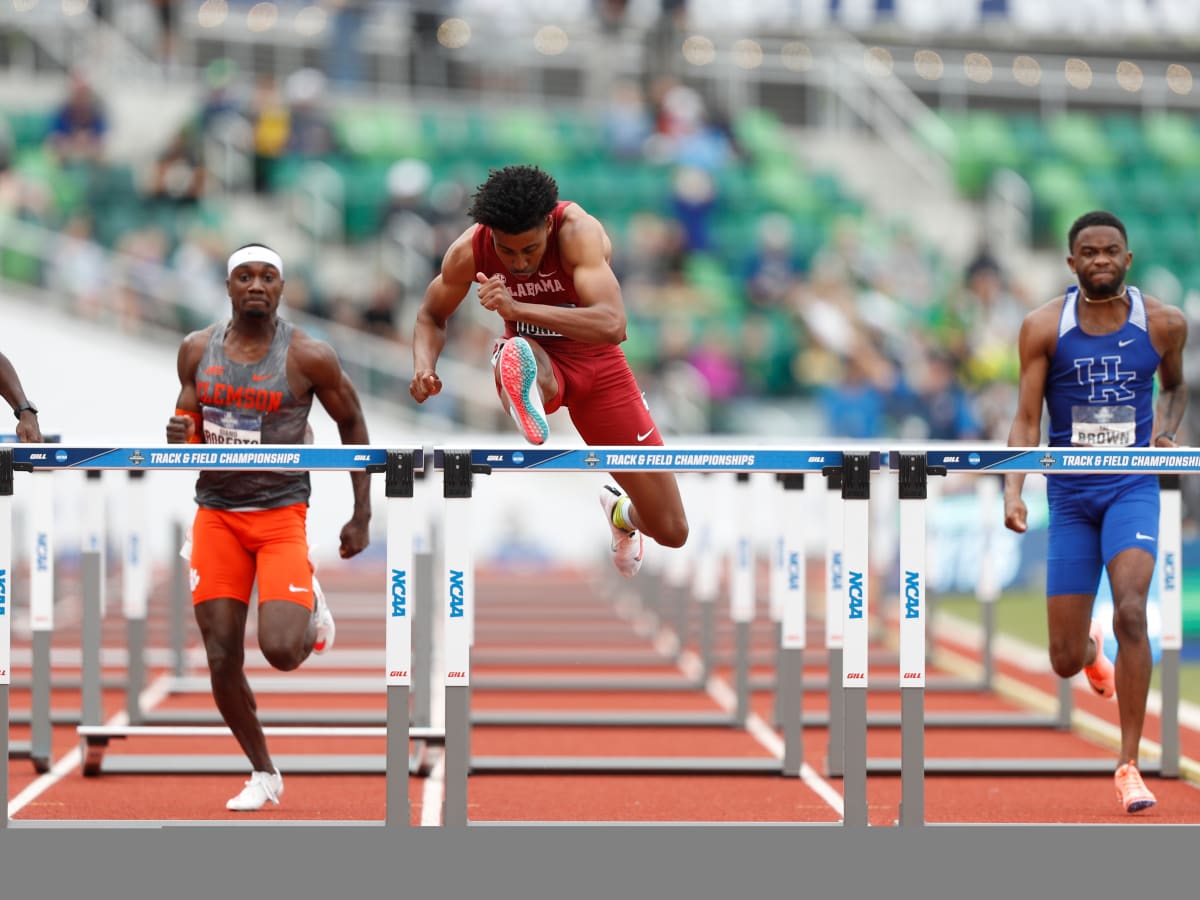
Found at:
(1125, 342)
(547, 274)
(642, 437)
(261, 377)
(1143, 537)
(296, 590)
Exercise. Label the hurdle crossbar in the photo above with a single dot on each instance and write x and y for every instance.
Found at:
(398, 466)
(459, 467)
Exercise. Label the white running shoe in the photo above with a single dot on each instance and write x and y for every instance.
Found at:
(261, 787)
(326, 630)
(518, 377)
(626, 545)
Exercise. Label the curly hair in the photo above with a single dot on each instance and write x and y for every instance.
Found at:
(514, 199)
(1096, 217)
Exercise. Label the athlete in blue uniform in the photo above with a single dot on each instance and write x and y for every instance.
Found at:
(1091, 356)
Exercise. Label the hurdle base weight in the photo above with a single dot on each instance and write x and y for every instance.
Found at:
(93, 755)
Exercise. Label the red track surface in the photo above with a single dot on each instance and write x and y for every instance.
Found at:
(533, 619)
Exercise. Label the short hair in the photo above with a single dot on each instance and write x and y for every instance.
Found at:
(514, 199)
(1095, 217)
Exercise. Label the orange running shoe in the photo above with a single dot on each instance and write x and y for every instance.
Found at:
(1101, 675)
(1131, 790)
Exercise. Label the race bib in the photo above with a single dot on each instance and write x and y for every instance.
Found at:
(1103, 426)
(228, 426)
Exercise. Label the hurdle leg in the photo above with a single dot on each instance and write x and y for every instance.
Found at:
(834, 601)
(41, 616)
(1170, 596)
(398, 486)
(913, 493)
(741, 598)
(91, 710)
(791, 582)
(459, 591)
(135, 584)
(180, 603)
(6, 529)
(856, 491)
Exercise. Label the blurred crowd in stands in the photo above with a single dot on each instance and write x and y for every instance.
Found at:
(868, 325)
(854, 316)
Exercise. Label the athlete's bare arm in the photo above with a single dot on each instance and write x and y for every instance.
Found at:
(28, 430)
(182, 429)
(313, 366)
(585, 250)
(1168, 332)
(442, 298)
(1035, 345)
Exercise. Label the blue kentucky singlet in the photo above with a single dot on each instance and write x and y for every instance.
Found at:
(1100, 388)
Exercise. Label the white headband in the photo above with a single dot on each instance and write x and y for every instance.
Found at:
(255, 253)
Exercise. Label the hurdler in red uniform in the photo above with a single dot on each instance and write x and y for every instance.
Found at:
(542, 265)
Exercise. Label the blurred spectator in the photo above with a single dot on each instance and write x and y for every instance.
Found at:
(79, 268)
(855, 402)
(142, 281)
(943, 405)
(845, 256)
(693, 198)
(611, 14)
(628, 124)
(343, 52)
(311, 133)
(80, 124)
(407, 232)
(380, 314)
(715, 358)
(272, 124)
(168, 30)
(775, 266)
(178, 175)
(199, 266)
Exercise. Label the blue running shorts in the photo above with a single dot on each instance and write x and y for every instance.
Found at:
(1089, 526)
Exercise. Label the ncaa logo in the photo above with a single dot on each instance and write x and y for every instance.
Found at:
(60, 456)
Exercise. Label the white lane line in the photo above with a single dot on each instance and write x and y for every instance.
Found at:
(433, 792)
(150, 697)
(723, 695)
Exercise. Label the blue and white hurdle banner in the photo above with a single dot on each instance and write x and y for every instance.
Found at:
(661, 459)
(1065, 460)
(286, 457)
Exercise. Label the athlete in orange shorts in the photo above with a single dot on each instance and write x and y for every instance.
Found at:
(252, 380)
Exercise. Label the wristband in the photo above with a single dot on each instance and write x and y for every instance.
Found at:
(197, 422)
(1169, 435)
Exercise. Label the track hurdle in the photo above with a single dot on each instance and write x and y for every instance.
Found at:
(458, 469)
(95, 737)
(1168, 464)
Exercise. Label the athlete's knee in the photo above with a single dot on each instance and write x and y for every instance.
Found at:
(1067, 655)
(673, 532)
(225, 658)
(1129, 619)
(281, 651)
